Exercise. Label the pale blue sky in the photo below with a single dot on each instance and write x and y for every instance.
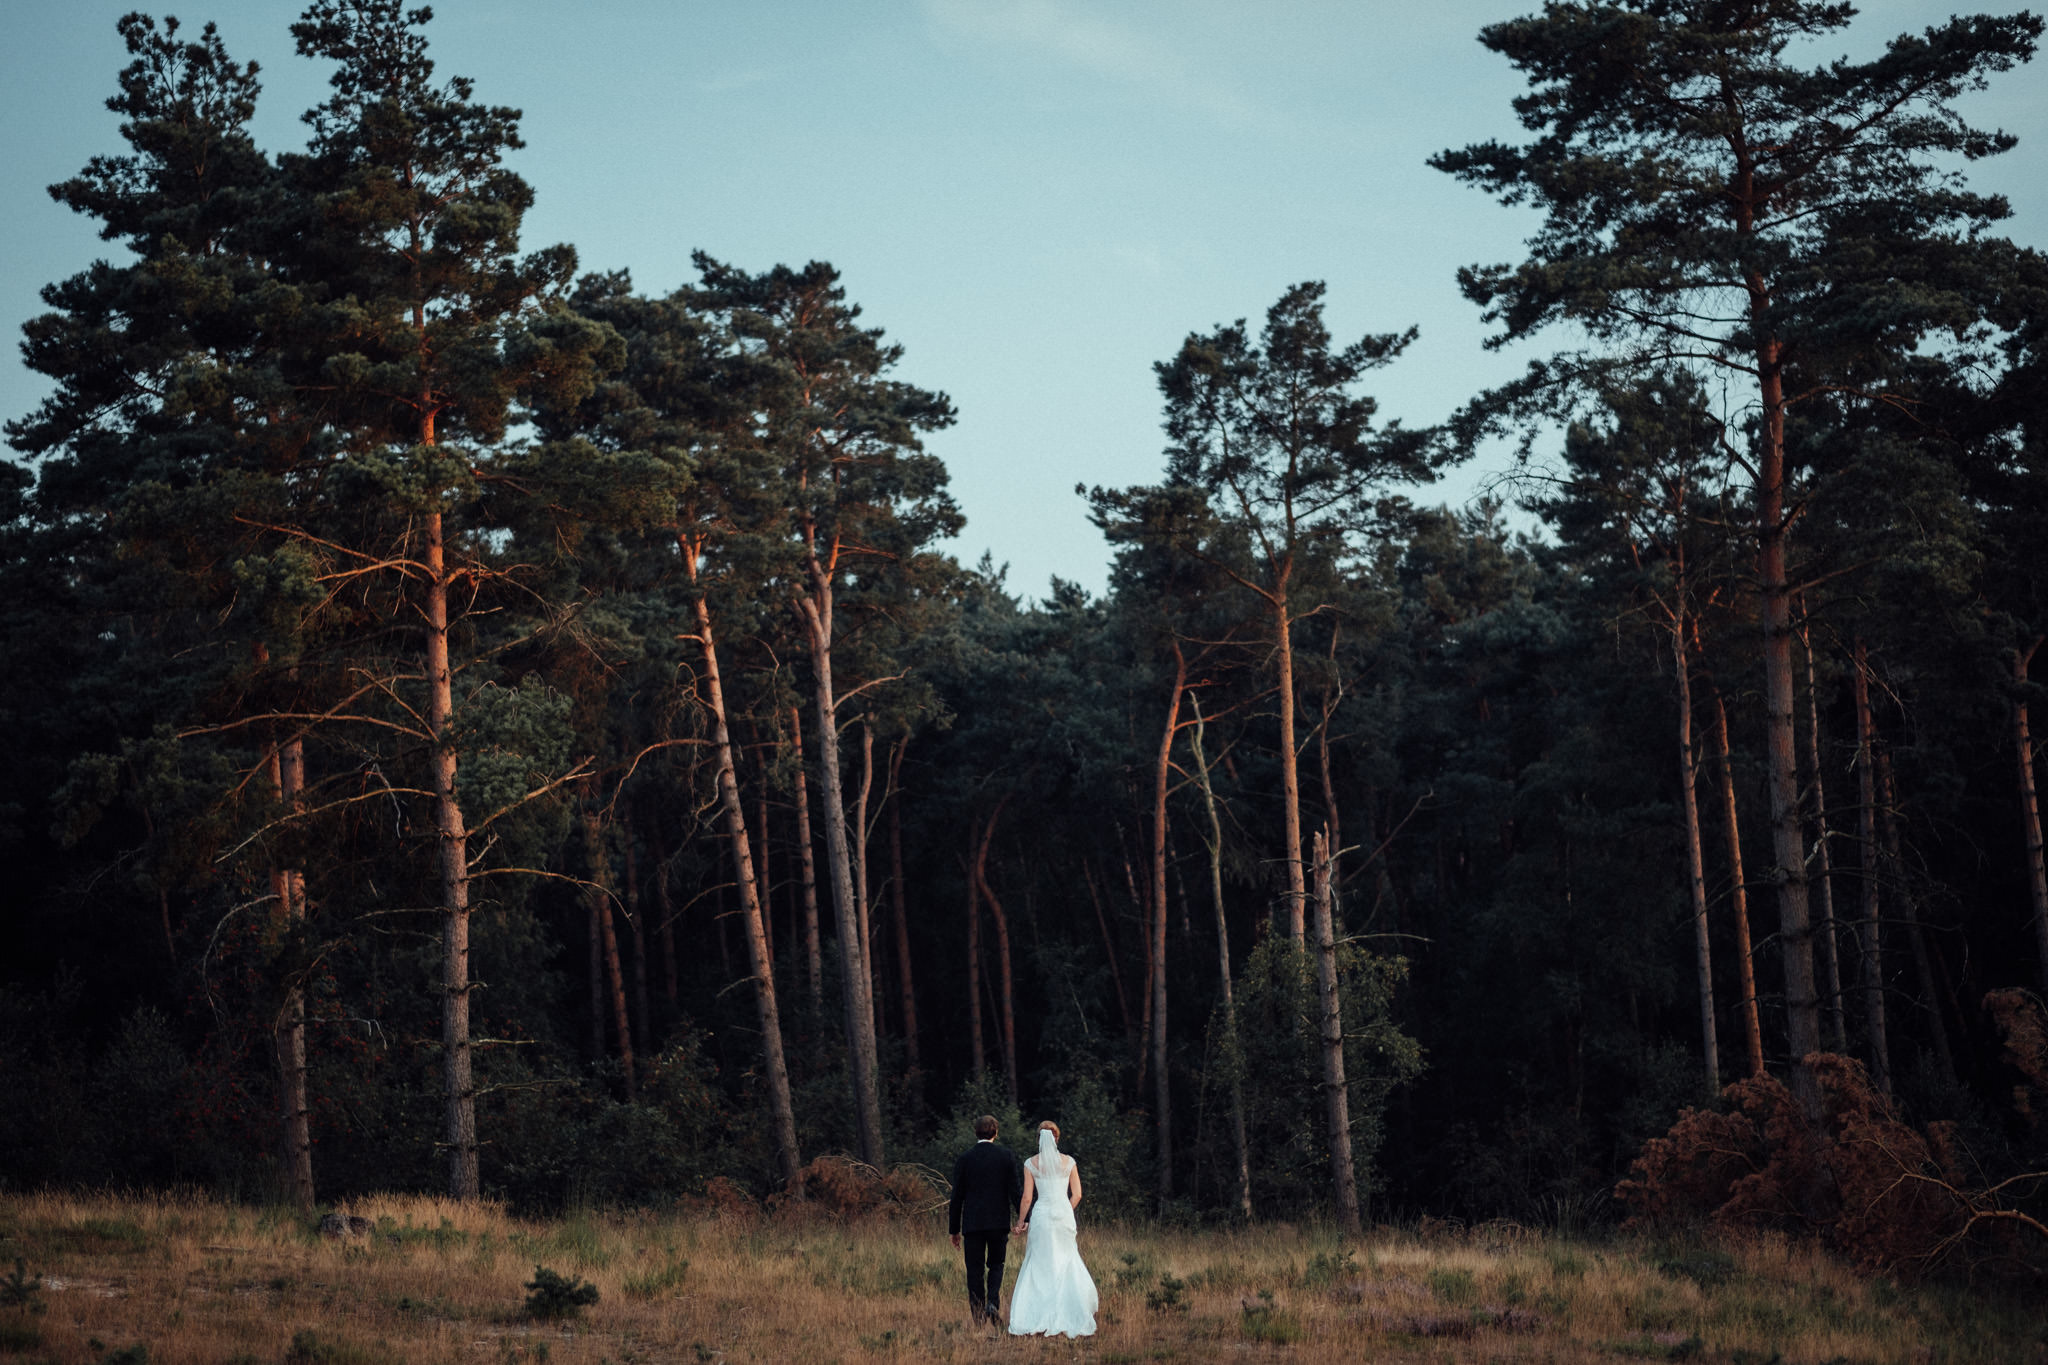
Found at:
(1037, 198)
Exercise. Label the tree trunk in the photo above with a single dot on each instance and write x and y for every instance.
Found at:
(1830, 948)
(816, 611)
(1290, 774)
(452, 848)
(667, 931)
(977, 1045)
(599, 893)
(1162, 773)
(1005, 979)
(1695, 861)
(1902, 892)
(1336, 1093)
(860, 871)
(1116, 975)
(2030, 806)
(1752, 1027)
(897, 902)
(782, 1114)
(1866, 833)
(814, 956)
(1788, 838)
(288, 884)
(1239, 1149)
(642, 1020)
(763, 891)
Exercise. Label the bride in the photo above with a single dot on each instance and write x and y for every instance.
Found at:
(1054, 1294)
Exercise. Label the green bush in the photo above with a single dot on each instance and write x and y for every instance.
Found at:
(551, 1297)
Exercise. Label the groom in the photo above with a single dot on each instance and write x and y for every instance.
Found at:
(988, 1181)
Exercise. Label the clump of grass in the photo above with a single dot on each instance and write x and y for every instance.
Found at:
(656, 1282)
(552, 1296)
(1454, 1285)
(1707, 1267)
(1326, 1268)
(317, 1348)
(1264, 1320)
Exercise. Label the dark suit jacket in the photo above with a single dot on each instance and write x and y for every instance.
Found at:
(988, 1182)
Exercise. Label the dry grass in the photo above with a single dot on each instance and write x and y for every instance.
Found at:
(198, 1281)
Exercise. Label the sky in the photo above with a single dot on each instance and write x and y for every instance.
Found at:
(1037, 199)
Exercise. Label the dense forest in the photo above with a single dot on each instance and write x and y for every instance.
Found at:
(487, 728)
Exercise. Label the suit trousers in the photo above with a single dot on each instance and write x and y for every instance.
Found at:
(985, 1254)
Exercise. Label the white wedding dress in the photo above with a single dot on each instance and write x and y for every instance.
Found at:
(1054, 1293)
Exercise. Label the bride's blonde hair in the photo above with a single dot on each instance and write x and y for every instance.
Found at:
(1054, 1128)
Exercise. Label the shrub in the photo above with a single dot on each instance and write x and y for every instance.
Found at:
(551, 1297)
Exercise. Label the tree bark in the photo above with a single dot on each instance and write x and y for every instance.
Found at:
(898, 904)
(599, 893)
(452, 849)
(642, 1020)
(1902, 893)
(288, 884)
(1695, 861)
(814, 956)
(977, 1045)
(1866, 832)
(2030, 806)
(1752, 1027)
(1290, 773)
(1830, 949)
(782, 1114)
(860, 870)
(763, 890)
(1156, 939)
(1336, 1092)
(815, 609)
(1788, 838)
(1005, 978)
(1238, 1146)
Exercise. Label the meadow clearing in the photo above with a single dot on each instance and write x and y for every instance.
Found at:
(186, 1280)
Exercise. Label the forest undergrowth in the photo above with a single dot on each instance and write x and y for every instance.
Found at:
(185, 1279)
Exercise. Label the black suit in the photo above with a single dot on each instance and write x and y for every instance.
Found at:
(988, 1182)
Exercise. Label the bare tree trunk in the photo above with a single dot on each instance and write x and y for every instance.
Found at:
(1336, 1092)
(977, 1045)
(667, 931)
(642, 1020)
(860, 870)
(815, 609)
(1830, 948)
(1866, 831)
(1752, 1027)
(763, 890)
(452, 849)
(1695, 861)
(288, 884)
(2030, 806)
(1006, 979)
(1788, 837)
(1116, 975)
(1902, 892)
(814, 957)
(897, 903)
(1290, 773)
(782, 1114)
(598, 891)
(1239, 1148)
(1156, 939)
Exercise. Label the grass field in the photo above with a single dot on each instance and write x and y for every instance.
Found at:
(180, 1281)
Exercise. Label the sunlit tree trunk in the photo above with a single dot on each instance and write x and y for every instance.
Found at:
(815, 609)
(1336, 1092)
(1866, 833)
(1162, 773)
(1239, 1149)
(1695, 861)
(1290, 773)
(782, 1114)
(1752, 1027)
(288, 885)
(452, 848)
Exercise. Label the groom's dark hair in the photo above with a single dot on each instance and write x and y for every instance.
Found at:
(985, 1126)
